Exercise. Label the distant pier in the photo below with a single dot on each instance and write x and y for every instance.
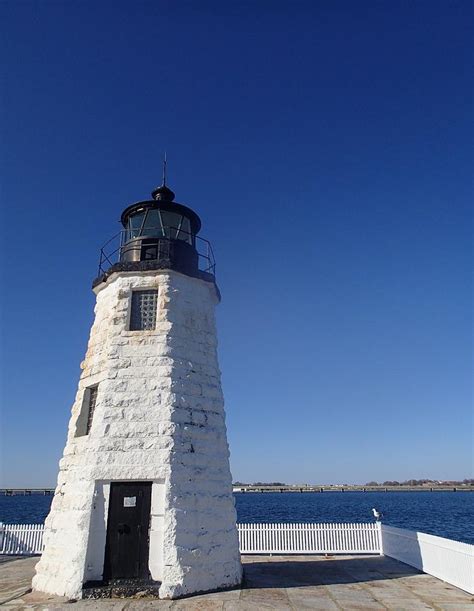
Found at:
(251, 488)
(441, 488)
(26, 491)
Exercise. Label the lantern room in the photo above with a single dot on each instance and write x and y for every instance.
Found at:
(161, 218)
(158, 234)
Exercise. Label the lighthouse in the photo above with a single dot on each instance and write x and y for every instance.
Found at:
(144, 492)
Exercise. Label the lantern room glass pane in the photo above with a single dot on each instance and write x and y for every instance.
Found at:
(171, 222)
(152, 226)
(134, 224)
(185, 231)
(156, 223)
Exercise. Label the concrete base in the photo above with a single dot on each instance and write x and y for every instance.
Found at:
(279, 582)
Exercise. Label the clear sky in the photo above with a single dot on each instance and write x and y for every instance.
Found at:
(326, 147)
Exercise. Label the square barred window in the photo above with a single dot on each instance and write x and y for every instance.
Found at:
(143, 311)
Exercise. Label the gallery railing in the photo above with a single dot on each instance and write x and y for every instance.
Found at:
(112, 251)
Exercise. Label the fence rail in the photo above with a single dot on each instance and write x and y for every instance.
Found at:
(309, 538)
(254, 538)
(21, 539)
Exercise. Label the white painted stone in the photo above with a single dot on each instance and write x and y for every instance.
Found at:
(159, 417)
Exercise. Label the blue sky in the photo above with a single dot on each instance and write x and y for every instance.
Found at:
(326, 147)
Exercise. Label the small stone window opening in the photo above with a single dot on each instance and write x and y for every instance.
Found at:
(84, 422)
(92, 402)
(143, 310)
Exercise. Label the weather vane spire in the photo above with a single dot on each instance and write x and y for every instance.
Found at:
(164, 170)
(163, 193)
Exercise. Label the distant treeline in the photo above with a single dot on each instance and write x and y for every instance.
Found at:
(422, 482)
(260, 484)
(408, 482)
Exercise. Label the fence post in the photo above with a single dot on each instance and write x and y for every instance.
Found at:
(380, 531)
(2, 534)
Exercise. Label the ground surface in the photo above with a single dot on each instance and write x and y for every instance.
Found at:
(279, 582)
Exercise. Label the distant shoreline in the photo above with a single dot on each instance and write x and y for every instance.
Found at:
(352, 488)
(248, 488)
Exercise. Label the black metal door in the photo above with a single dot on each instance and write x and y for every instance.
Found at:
(127, 542)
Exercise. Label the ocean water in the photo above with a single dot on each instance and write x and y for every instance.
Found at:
(446, 514)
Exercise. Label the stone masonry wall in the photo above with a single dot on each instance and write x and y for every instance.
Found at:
(159, 416)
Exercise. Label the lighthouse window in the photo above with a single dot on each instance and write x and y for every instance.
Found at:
(143, 311)
(134, 225)
(171, 223)
(84, 422)
(185, 231)
(92, 402)
(156, 223)
(153, 225)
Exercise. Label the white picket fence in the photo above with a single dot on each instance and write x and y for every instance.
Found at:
(254, 538)
(21, 539)
(309, 538)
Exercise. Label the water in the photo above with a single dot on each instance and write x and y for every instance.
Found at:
(24, 509)
(446, 514)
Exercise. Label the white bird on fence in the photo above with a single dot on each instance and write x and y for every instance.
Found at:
(377, 514)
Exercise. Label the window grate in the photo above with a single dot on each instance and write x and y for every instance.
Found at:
(91, 407)
(143, 314)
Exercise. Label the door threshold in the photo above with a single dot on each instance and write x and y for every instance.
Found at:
(121, 588)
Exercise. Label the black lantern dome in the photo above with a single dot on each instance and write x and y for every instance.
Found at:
(163, 194)
(161, 234)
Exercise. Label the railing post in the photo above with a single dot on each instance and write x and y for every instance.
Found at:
(2, 534)
(380, 531)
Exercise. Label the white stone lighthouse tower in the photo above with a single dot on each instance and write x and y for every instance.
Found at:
(144, 494)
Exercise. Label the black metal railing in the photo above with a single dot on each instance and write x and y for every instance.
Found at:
(112, 251)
